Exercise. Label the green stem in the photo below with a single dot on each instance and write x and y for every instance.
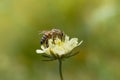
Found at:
(60, 68)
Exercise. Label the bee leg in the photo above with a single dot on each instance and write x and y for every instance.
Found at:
(53, 38)
(46, 42)
(62, 35)
(41, 42)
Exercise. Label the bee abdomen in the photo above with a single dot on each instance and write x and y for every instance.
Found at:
(43, 39)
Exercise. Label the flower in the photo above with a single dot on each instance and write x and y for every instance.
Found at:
(59, 48)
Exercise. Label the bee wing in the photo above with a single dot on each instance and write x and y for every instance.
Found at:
(42, 32)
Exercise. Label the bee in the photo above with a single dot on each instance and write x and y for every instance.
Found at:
(51, 34)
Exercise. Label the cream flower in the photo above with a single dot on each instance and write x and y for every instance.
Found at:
(59, 48)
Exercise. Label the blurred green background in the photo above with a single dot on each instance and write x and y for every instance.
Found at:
(97, 22)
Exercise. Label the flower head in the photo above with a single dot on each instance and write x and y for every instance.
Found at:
(59, 48)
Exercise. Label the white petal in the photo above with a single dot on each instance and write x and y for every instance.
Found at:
(58, 50)
(42, 47)
(66, 38)
(80, 42)
(39, 51)
(74, 40)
